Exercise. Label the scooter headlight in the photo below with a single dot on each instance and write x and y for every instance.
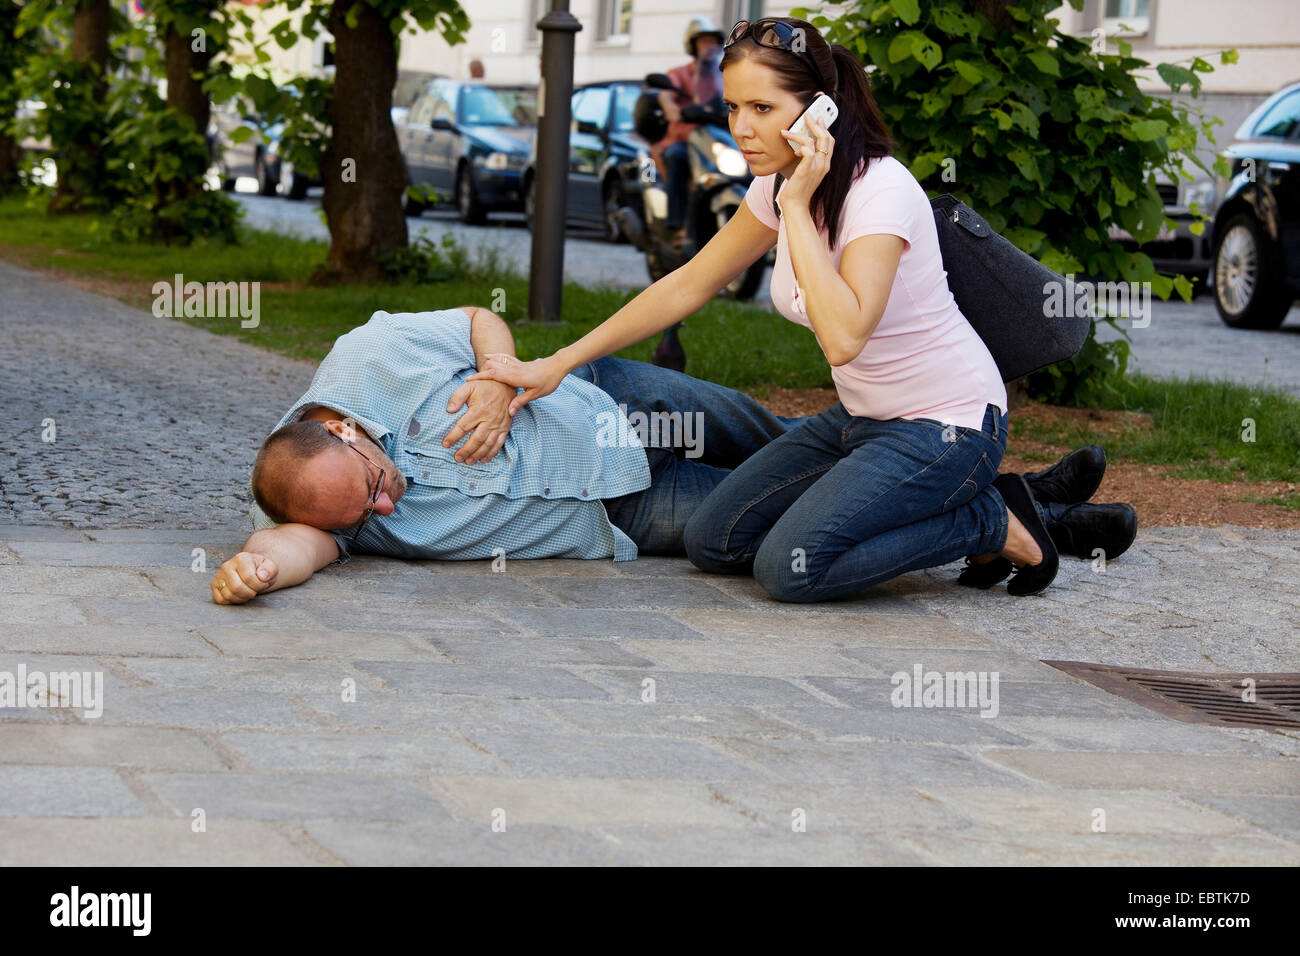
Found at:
(729, 160)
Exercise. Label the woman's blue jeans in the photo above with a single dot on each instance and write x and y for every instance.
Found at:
(840, 503)
(819, 507)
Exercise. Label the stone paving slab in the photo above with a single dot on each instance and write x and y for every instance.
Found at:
(73, 842)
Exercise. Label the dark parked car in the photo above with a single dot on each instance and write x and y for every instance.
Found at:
(470, 141)
(605, 157)
(1179, 250)
(255, 154)
(1257, 226)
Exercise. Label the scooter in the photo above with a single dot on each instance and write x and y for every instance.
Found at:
(719, 179)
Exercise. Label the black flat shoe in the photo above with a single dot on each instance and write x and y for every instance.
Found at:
(1074, 478)
(984, 576)
(1030, 578)
(1085, 528)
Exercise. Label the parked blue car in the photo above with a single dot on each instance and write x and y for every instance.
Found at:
(470, 142)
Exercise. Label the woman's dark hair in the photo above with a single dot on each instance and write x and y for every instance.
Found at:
(859, 130)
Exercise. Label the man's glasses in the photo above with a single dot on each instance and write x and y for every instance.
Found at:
(778, 35)
(374, 495)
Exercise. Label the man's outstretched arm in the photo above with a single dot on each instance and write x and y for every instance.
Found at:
(275, 558)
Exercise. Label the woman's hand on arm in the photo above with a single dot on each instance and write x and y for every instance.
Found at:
(732, 250)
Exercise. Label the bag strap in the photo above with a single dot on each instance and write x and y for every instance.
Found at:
(776, 187)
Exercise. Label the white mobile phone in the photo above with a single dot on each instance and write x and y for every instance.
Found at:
(823, 108)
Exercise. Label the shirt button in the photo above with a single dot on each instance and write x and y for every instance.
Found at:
(472, 486)
(426, 474)
(546, 491)
(584, 492)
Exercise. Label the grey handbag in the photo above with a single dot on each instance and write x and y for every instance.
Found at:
(1001, 291)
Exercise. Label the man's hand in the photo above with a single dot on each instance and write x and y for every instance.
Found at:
(243, 578)
(487, 416)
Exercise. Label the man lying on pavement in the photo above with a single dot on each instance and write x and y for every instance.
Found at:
(377, 457)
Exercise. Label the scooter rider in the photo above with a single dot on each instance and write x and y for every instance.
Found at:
(701, 81)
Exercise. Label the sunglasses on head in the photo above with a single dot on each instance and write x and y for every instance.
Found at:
(778, 35)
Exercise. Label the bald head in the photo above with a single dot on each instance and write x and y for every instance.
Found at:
(282, 485)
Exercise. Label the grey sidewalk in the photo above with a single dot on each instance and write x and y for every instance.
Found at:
(393, 712)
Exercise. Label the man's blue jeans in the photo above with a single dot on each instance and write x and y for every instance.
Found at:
(734, 427)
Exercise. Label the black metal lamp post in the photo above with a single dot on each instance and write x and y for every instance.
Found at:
(551, 184)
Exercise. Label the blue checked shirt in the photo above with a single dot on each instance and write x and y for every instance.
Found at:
(539, 497)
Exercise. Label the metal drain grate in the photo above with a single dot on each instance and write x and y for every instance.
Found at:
(1199, 698)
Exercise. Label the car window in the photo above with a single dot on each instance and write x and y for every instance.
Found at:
(422, 111)
(444, 104)
(625, 98)
(483, 104)
(594, 107)
(1283, 119)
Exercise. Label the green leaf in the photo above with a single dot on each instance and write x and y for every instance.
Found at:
(1177, 77)
(969, 71)
(909, 11)
(1147, 131)
(1026, 163)
(1123, 194)
(1228, 56)
(900, 48)
(1045, 62)
(926, 51)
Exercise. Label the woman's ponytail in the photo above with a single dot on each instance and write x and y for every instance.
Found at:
(860, 136)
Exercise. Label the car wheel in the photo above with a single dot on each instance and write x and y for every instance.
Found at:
(1248, 290)
(613, 196)
(467, 203)
(265, 184)
(297, 182)
(227, 181)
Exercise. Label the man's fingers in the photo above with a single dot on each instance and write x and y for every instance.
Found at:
(463, 426)
(459, 397)
(266, 571)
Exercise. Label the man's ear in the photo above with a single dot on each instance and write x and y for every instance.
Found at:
(344, 428)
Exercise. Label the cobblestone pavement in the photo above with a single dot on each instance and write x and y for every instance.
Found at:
(394, 712)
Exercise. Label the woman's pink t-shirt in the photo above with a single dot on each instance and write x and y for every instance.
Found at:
(924, 360)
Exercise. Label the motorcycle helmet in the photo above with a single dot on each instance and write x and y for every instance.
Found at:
(648, 117)
(700, 25)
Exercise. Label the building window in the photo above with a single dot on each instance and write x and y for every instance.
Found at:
(1135, 14)
(614, 21)
(733, 11)
(536, 10)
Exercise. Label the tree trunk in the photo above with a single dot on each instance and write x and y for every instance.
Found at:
(90, 32)
(81, 161)
(184, 93)
(995, 11)
(362, 167)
